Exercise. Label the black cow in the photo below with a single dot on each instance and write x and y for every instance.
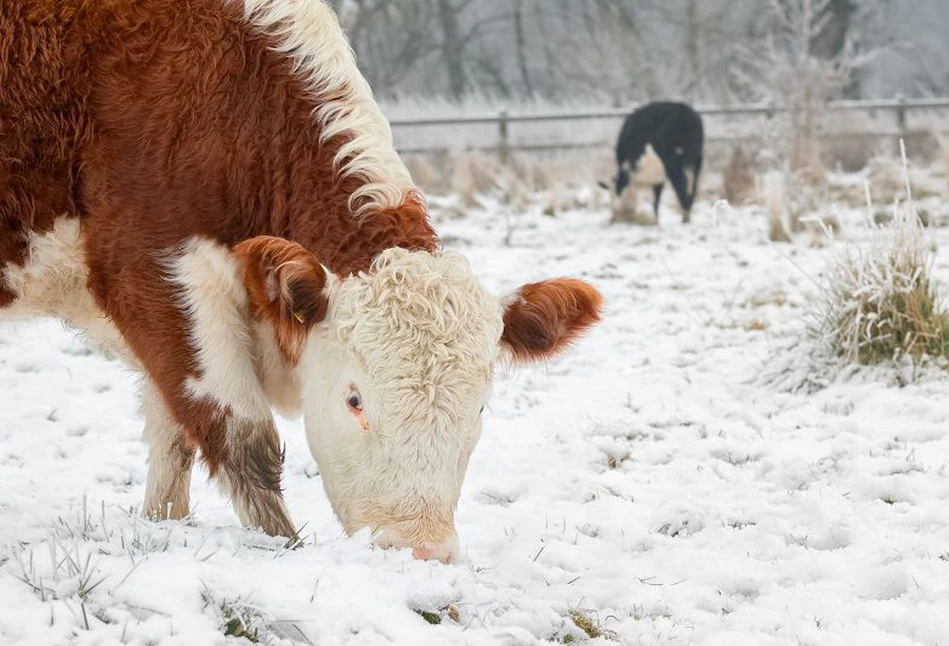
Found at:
(659, 142)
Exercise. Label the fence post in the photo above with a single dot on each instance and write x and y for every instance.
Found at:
(504, 138)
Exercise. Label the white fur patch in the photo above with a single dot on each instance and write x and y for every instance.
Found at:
(54, 282)
(279, 380)
(309, 34)
(425, 327)
(626, 205)
(215, 299)
(649, 168)
(649, 171)
(167, 492)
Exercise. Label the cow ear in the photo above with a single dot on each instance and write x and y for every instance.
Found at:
(541, 319)
(287, 287)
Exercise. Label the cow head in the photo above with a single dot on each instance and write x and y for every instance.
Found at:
(619, 182)
(622, 180)
(624, 197)
(396, 365)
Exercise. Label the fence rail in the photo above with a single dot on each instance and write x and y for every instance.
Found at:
(503, 120)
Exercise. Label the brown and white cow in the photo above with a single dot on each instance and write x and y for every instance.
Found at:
(208, 189)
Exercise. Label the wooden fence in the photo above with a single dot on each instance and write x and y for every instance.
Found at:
(504, 122)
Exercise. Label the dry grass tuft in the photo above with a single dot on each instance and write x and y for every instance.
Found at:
(879, 301)
(775, 199)
(435, 618)
(473, 173)
(426, 176)
(847, 148)
(237, 617)
(589, 628)
(738, 181)
(886, 179)
(944, 149)
(430, 617)
(559, 181)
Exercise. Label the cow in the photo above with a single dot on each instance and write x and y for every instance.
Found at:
(208, 190)
(659, 142)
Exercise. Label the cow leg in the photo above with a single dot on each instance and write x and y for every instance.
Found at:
(251, 476)
(680, 183)
(184, 314)
(657, 192)
(170, 460)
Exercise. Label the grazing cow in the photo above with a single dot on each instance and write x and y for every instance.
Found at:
(208, 189)
(659, 142)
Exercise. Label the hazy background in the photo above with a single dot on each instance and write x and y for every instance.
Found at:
(624, 51)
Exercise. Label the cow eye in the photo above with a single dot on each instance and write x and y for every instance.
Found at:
(481, 411)
(354, 401)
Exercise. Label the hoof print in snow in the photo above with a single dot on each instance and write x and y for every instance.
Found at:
(495, 497)
(681, 527)
(736, 457)
(615, 459)
(840, 408)
(589, 530)
(739, 523)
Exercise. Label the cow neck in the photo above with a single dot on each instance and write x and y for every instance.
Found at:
(331, 178)
(325, 223)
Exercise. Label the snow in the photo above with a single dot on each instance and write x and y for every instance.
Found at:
(652, 480)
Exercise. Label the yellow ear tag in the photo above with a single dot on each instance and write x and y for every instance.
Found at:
(299, 316)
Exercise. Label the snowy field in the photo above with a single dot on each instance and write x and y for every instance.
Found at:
(651, 487)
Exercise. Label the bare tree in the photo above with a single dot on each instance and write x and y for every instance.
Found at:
(452, 46)
(783, 68)
(388, 55)
(831, 40)
(521, 47)
(623, 51)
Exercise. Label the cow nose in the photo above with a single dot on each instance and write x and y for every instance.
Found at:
(440, 553)
(445, 550)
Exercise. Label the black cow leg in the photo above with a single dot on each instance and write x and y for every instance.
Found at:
(657, 190)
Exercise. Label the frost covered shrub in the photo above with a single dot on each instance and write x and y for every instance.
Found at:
(879, 300)
(944, 149)
(775, 199)
(474, 173)
(426, 174)
(738, 181)
(849, 149)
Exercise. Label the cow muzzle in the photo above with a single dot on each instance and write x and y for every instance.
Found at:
(447, 551)
(441, 553)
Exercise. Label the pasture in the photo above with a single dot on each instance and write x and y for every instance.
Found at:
(661, 483)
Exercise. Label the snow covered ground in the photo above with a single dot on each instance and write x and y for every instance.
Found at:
(650, 487)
